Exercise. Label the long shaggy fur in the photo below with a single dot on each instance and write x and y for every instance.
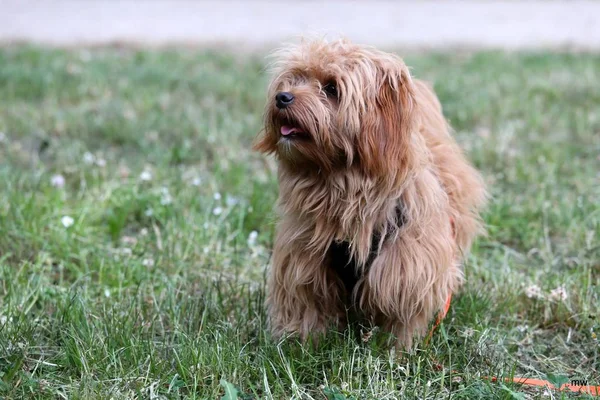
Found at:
(375, 171)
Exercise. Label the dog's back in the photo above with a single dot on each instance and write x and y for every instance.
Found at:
(462, 182)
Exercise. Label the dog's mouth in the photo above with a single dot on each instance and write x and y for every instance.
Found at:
(290, 129)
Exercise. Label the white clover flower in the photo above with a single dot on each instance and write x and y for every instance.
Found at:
(467, 333)
(88, 158)
(560, 293)
(217, 210)
(146, 176)
(523, 328)
(206, 250)
(231, 201)
(165, 198)
(129, 240)
(197, 181)
(148, 262)
(101, 162)
(57, 181)
(106, 293)
(252, 238)
(67, 221)
(534, 292)
(129, 114)
(217, 196)
(149, 212)
(143, 232)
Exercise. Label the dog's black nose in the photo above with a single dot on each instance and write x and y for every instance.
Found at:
(284, 99)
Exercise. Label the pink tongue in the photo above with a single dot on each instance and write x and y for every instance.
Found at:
(288, 130)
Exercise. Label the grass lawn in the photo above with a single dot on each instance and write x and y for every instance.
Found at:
(136, 226)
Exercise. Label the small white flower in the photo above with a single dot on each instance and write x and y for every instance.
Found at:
(217, 211)
(231, 201)
(344, 386)
(197, 181)
(143, 232)
(205, 250)
(560, 293)
(149, 212)
(129, 114)
(88, 158)
(57, 181)
(106, 293)
(101, 162)
(67, 221)
(467, 333)
(126, 251)
(165, 198)
(146, 176)
(534, 292)
(148, 262)
(217, 196)
(252, 238)
(206, 225)
(3, 319)
(523, 328)
(129, 240)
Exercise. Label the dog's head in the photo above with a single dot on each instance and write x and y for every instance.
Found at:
(337, 105)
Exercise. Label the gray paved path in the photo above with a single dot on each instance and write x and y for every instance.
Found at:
(430, 24)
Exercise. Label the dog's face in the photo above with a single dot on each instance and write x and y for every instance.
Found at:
(338, 105)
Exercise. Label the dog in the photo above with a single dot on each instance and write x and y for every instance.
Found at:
(378, 205)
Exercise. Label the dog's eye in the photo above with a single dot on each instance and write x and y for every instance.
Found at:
(330, 89)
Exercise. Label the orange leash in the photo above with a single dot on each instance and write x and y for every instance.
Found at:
(589, 389)
(439, 318)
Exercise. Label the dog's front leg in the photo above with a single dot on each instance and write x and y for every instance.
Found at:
(417, 269)
(303, 298)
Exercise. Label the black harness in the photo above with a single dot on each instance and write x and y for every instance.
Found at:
(346, 266)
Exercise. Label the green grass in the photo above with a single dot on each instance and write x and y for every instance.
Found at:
(156, 290)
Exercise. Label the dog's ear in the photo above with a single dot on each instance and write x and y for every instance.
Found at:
(388, 122)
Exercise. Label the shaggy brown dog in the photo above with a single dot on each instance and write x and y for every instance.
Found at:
(378, 204)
